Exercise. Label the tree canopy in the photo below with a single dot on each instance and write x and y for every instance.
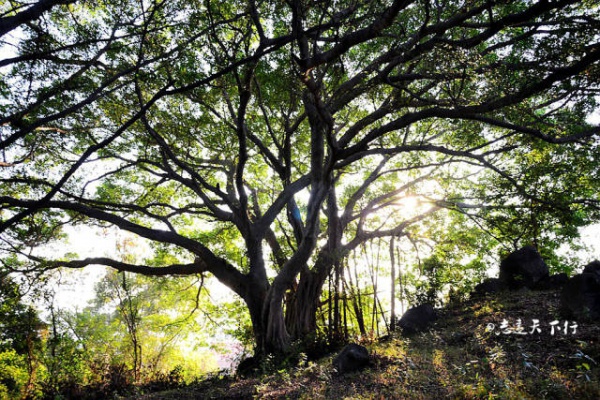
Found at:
(263, 141)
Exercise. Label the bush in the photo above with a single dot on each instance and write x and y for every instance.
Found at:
(13, 375)
(159, 381)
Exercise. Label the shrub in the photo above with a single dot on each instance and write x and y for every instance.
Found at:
(13, 375)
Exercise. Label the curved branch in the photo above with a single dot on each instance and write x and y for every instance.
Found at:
(219, 267)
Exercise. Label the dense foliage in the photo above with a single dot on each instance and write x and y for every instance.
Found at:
(282, 147)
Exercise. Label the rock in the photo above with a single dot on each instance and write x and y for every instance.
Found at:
(592, 268)
(352, 358)
(248, 367)
(523, 268)
(490, 285)
(580, 297)
(417, 319)
(559, 279)
(555, 281)
(458, 338)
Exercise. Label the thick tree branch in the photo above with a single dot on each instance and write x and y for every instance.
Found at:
(31, 13)
(174, 269)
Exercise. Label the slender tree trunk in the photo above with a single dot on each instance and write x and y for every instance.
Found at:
(31, 354)
(330, 309)
(393, 286)
(400, 283)
(130, 313)
(356, 300)
(345, 308)
(337, 326)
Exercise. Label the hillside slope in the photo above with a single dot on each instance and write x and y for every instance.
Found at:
(502, 346)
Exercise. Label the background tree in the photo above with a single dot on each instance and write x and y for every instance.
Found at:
(263, 142)
(96, 347)
(21, 333)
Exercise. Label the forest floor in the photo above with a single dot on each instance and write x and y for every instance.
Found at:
(489, 347)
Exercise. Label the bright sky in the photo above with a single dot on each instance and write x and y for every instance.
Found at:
(76, 287)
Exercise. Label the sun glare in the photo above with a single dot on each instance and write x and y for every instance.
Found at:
(409, 202)
(413, 205)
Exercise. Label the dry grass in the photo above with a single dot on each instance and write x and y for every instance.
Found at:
(460, 358)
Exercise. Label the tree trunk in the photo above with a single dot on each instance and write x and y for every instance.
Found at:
(285, 312)
(393, 286)
(254, 302)
(277, 339)
(356, 296)
(303, 304)
(275, 327)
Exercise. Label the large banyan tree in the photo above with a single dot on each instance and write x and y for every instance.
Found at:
(263, 141)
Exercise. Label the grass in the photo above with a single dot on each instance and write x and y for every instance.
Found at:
(468, 354)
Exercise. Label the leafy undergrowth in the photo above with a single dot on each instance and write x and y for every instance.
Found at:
(476, 350)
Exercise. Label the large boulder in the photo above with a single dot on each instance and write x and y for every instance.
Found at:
(523, 268)
(490, 285)
(580, 297)
(592, 268)
(553, 282)
(417, 319)
(352, 358)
